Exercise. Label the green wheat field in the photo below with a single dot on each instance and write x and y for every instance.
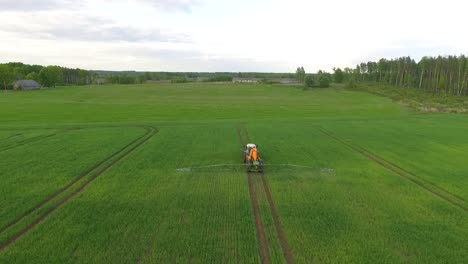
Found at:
(153, 174)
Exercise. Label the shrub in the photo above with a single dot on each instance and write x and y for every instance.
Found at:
(180, 80)
(309, 81)
(220, 78)
(338, 75)
(351, 84)
(324, 82)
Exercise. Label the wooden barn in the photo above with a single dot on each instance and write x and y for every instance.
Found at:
(26, 85)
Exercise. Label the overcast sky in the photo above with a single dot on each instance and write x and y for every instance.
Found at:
(221, 35)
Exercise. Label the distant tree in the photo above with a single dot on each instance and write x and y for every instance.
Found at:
(127, 79)
(19, 72)
(50, 76)
(338, 75)
(180, 80)
(33, 76)
(300, 74)
(324, 79)
(84, 76)
(351, 84)
(147, 76)
(309, 81)
(324, 82)
(439, 75)
(219, 78)
(7, 75)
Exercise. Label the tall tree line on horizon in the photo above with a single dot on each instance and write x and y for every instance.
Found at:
(441, 75)
(46, 75)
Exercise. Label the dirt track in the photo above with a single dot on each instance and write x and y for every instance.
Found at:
(124, 152)
(282, 237)
(260, 230)
(434, 189)
(279, 230)
(261, 235)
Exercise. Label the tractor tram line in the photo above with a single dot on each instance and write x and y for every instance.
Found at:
(96, 171)
(33, 139)
(261, 236)
(69, 185)
(260, 230)
(420, 182)
(279, 230)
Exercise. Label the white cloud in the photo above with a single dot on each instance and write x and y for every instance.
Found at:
(173, 5)
(33, 5)
(70, 26)
(256, 35)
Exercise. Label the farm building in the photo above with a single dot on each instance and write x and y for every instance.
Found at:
(282, 80)
(246, 80)
(288, 81)
(26, 85)
(258, 80)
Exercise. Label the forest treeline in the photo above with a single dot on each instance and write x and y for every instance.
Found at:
(440, 75)
(48, 76)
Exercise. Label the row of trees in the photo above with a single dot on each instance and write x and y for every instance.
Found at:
(49, 76)
(126, 78)
(320, 79)
(139, 77)
(300, 74)
(441, 75)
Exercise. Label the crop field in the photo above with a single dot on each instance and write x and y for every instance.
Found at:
(153, 174)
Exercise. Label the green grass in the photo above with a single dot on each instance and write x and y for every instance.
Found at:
(361, 213)
(34, 172)
(12, 139)
(343, 208)
(187, 102)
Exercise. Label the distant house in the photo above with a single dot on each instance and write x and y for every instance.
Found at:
(288, 81)
(246, 80)
(267, 80)
(26, 85)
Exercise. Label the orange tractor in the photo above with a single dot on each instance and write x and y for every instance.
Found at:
(252, 160)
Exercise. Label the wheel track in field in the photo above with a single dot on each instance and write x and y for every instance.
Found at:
(261, 234)
(288, 256)
(430, 187)
(34, 139)
(260, 230)
(26, 141)
(99, 169)
(11, 136)
(412, 174)
(66, 187)
(279, 230)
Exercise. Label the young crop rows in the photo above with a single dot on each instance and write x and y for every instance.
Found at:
(153, 174)
(20, 226)
(264, 210)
